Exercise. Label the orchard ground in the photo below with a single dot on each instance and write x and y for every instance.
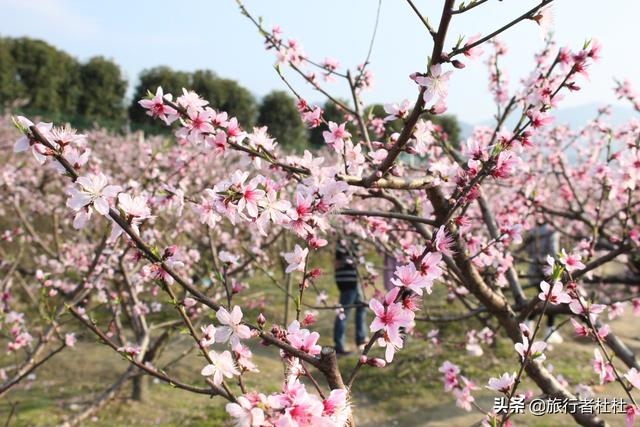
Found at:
(408, 392)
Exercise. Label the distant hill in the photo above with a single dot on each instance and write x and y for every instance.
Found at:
(580, 115)
(574, 117)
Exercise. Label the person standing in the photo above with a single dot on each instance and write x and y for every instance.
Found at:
(388, 270)
(543, 241)
(346, 275)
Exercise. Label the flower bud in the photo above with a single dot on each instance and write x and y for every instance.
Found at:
(315, 273)
(376, 362)
(439, 108)
(189, 302)
(261, 320)
(458, 64)
(169, 252)
(309, 319)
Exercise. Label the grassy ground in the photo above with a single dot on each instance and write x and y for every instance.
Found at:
(406, 393)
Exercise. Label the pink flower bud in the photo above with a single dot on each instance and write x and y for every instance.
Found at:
(309, 319)
(70, 340)
(315, 273)
(377, 362)
(459, 65)
(189, 302)
(363, 359)
(261, 320)
(169, 252)
(439, 108)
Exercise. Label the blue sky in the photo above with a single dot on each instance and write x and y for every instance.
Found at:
(193, 34)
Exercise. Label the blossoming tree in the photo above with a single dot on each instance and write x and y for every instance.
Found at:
(114, 231)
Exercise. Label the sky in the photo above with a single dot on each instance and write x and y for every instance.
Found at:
(212, 34)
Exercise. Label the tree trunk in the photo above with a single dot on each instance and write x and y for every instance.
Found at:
(139, 388)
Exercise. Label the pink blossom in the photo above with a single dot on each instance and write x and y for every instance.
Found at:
(429, 265)
(243, 358)
(208, 335)
(191, 101)
(232, 328)
(297, 259)
(502, 384)
(633, 376)
(38, 150)
(336, 135)
(539, 119)
(535, 352)
(157, 108)
(134, 206)
(616, 310)
(631, 413)
(302, 339)
(228, 258)
(450, 372)
(244, 413)
(408, 277)
(435, 83)
(390, 317)
(443, 242)
(312, 118)
(571, 262)
(593, 310)
(581, 330)
(397, 111)
(554, 295)
(222, 365)
(602, 368)
(70, 340)
(474, 52)
(250, 196)
(95, 191)
(335, 405)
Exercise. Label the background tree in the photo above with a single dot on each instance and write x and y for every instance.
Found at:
(47, 78)
(8, 84)
(448, 123)
(171, 81)
(278, 111)
(103, 89)
(226, 95)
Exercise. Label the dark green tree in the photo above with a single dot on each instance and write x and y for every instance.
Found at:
(377, 111)
(103, 90)
(48, 79)
(226, 95)
(8, 83)
(448, 123)
(278, 111)
(149, 80)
